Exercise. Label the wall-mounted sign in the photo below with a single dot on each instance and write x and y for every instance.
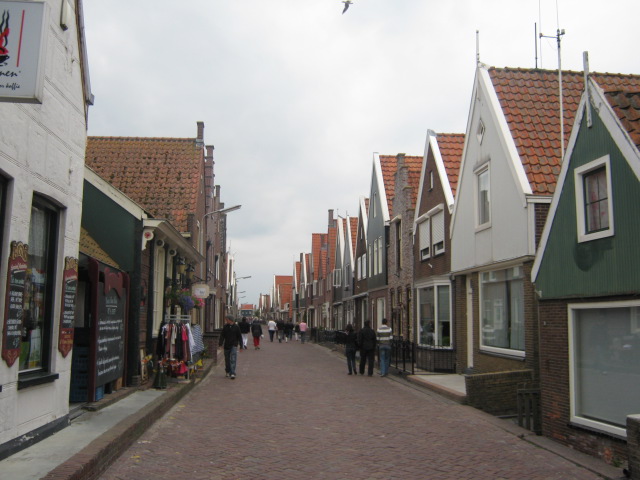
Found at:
(200, 290)
(112, 303)
(13, 311)
(22, 27)
(68, 310)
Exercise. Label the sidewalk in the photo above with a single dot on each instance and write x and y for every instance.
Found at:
(95, 439)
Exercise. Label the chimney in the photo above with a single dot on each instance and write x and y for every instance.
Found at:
(332, 221)
(200, 137)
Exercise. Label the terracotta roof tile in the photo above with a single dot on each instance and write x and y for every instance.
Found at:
(354, 233)
(162, 175)
(389, 164)
(626, 106)
(451, 146)
(530, 100)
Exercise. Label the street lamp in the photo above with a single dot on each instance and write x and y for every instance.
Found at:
(223, 210)
(241, 278)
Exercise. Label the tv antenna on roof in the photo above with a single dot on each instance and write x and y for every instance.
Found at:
(558, 37)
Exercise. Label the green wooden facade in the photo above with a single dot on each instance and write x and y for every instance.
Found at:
(602, 267)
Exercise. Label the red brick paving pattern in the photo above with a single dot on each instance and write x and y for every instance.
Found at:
(294, 413)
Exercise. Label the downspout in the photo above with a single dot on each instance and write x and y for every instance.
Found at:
(151, 299)
(133, 344)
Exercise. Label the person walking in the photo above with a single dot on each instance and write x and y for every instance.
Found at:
(296, 331)
(367, 345)
(245, 328)
(303, 331)
(280, 327)
(350, 347)
(256, 333)
(384, 336)
(288, 330)
(272, 327)
(230, 339)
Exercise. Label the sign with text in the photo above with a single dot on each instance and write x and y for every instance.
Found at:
(22, 35)
(14, 310)
(110, 348)
(68, 310)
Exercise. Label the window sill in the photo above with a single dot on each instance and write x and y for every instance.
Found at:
(33, 379)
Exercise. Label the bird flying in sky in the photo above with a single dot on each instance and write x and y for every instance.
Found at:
(346, 5)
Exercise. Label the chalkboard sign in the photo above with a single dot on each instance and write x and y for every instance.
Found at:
(112, 301)
(13, 314)
(68, 310)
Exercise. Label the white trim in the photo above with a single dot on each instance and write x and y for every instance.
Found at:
(485, 167)
(574, 418)
(114, 194)
(578, 175)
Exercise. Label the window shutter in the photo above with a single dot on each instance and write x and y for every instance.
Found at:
(437, 224)
(425, 240)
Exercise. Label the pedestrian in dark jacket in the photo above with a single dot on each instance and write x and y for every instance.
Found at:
(280, 327)
(350, 347)
(288, 330)
(230, 339)
(256, 333)
(245, 328)
(367, 343)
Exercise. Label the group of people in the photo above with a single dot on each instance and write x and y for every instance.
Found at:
(366, 341)
(286, 330)
(235, 336)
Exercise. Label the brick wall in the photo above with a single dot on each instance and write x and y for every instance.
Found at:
(633, 445)
(555, 389)
(496, 393)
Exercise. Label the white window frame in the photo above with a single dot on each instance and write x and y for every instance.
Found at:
(380, 244)
(579, 175)
(511, 352)
(424, 244)
(364, 266)
(574, 418)
(480, 171)
(436, 336)
(437, 234)
(337, 277)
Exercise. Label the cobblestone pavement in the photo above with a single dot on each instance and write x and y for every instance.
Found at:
(294, 413)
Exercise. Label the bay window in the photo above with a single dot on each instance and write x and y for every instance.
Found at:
(434, 316)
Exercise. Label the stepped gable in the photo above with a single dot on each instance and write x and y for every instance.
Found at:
(451, 146)
(163, 175)
(530, 101)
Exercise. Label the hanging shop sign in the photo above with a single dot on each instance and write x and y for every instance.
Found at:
(68, 310)
(14, 311)
(200, 290)
(110, 344)
(22, 35)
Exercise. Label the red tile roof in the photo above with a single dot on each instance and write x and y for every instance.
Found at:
(451, 146)
(530, 102)
(626, 106)
(163, 175)
(354, 234)
(389, 166)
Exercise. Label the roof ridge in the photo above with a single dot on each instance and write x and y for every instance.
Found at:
(564, 71)
(181, 139)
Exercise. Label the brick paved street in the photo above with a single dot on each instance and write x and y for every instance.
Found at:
(294, 413)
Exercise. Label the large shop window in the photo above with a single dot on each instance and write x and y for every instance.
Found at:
(434, 316)
(605, 364)
(502, 311)
(38, 293)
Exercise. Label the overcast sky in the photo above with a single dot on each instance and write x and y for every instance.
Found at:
(296, 97)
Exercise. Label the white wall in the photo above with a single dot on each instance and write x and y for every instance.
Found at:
(42, 151)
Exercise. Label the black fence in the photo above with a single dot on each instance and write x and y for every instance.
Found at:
(406, 356)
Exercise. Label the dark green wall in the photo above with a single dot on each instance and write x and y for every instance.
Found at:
(110, 225)
(601, 267)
